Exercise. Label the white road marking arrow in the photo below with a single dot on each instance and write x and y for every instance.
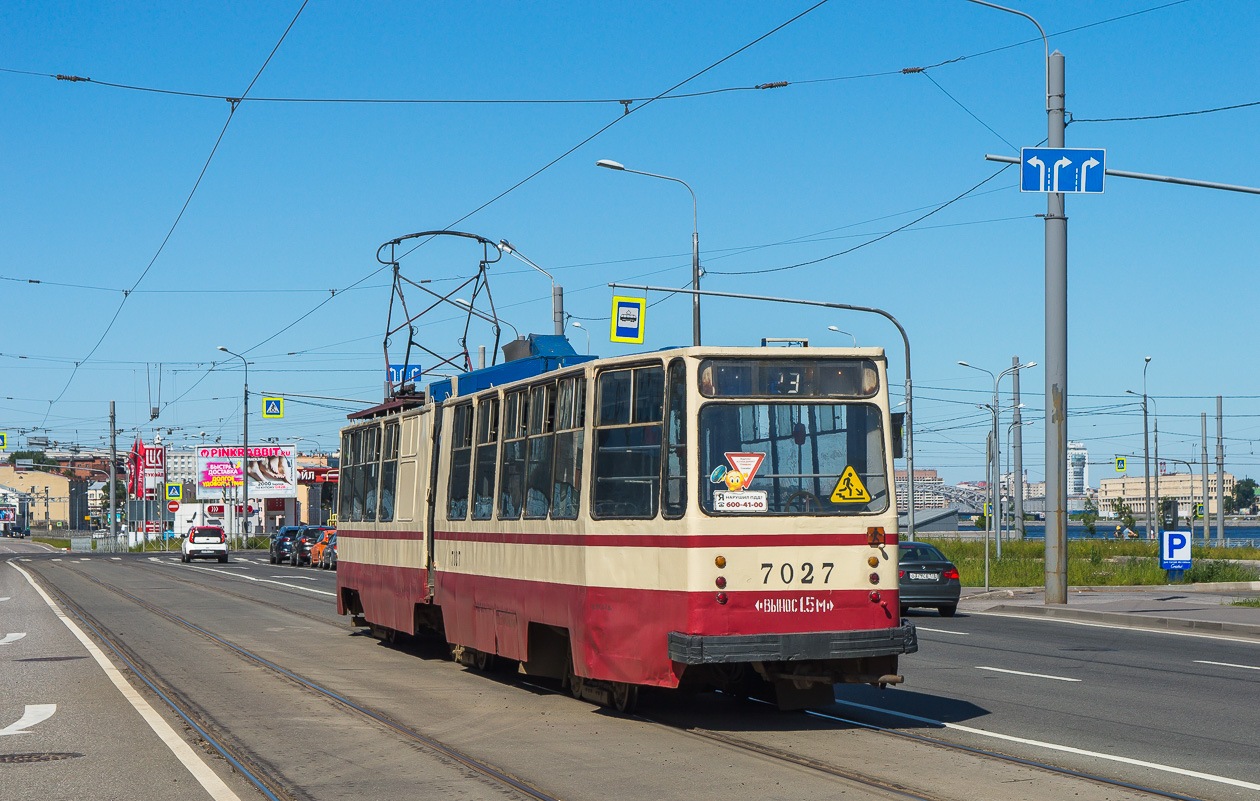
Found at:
(8, 638)
(35, 713)
(1091, 163)
(1041, 170)
(1063, 162)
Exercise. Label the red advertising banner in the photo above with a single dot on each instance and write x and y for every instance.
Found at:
(317, 475)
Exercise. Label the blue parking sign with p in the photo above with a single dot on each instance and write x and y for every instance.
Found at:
(627, 319)
(1174, 550)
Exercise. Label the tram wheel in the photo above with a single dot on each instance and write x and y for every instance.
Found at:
(625, 697)
(483, 661)
(576, 685)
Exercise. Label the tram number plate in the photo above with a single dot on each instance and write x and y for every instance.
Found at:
(745, 501)
(925, 576)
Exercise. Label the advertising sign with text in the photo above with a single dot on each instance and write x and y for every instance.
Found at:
(272, 473)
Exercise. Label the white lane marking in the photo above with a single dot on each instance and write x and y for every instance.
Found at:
(945, 631)
(56, 560)
(33, 714)
(263, 580)
(116, 558)
(1040, 744)
(304, 578)
(1114, 626)
(8, 638)
(182, 750)
(5, 598)
(1222, 664)
(84, 559)
(1022, 673)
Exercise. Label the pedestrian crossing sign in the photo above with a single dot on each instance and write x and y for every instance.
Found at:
(273, 407)
(1120, 464)
(174, 492)
(849, 488)
(4, 440)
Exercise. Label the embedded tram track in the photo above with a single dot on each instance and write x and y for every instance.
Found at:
(277, 792)
(262, 779)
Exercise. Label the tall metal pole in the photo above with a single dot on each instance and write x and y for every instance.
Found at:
(1207, 526)
(113, 477)
(1056, 354)
(245, 466)
(1017, 469)
(1146, 453)
(997, 473)
(1220, 472)
(1159, 506)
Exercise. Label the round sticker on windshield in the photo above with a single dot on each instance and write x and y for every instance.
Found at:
(718, 474)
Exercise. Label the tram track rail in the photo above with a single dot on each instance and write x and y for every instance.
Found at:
(268, 784)
(722, 738)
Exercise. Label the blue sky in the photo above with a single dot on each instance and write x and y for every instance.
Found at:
(299, 196)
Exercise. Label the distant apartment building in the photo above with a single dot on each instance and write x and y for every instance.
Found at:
(181, 466)
(1078, 469)
(1186, 488)
(924, 497)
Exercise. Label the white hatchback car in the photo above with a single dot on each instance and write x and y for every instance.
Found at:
(204, 542)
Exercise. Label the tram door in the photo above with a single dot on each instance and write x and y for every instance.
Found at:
(431, 435)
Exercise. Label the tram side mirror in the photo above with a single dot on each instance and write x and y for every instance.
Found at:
(898, 434)
(798, 433)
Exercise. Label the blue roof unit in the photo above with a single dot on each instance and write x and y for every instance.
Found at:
(546, 352)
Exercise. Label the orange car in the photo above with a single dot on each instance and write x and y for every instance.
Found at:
(317, 550)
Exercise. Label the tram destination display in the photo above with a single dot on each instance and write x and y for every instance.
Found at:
(812, 378)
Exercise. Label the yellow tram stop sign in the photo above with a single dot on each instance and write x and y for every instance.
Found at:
(627, 319)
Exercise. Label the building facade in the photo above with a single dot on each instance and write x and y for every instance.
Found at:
(1078, 469)
(56, 502)
(1185, 488)
(924, 497)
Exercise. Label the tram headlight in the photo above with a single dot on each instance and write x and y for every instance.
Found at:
(720, 582)
(720, 561)
(874, 578)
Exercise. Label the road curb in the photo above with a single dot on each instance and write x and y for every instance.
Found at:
(1130, 621)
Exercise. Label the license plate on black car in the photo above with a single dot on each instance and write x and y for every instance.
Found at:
(925, 576)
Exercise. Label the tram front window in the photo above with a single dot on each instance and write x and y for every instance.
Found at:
(792, 459)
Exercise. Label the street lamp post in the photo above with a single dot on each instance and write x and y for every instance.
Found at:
(695, 242)
(995, 456)
(838, 331)
(244, 454)
(578, 324)
(557, 292)
(1146, 447)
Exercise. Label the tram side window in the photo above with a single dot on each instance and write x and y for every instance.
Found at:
(371, 471)
(570, 421)
(461, 462)
(512, 469)
(345, 483)
(628, 446)
(542, 428)
(487, 447)
(356, 476)
(389, 473)
(674, 501)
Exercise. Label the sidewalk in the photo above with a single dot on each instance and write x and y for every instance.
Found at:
(1201, 608)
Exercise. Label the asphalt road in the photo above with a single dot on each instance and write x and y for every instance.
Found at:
(307, 746)
(1182, 701)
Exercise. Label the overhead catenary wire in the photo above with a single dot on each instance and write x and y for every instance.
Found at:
(218, 140)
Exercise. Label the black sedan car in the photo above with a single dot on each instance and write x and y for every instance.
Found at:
(282, 544)
(927, 578)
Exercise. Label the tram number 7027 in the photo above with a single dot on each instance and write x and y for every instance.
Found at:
(787, 572)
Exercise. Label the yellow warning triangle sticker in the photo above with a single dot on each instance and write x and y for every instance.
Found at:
(849, 488)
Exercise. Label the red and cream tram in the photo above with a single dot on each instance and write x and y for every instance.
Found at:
(697, 516)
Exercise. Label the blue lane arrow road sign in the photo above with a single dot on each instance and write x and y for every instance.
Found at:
(404, 372)
(1074, 170)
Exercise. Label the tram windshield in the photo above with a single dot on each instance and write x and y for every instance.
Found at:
(792, 459)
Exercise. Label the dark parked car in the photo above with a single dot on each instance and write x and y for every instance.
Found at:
(927, 578)
(282, 544)
(302, 542)
(328, 560)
